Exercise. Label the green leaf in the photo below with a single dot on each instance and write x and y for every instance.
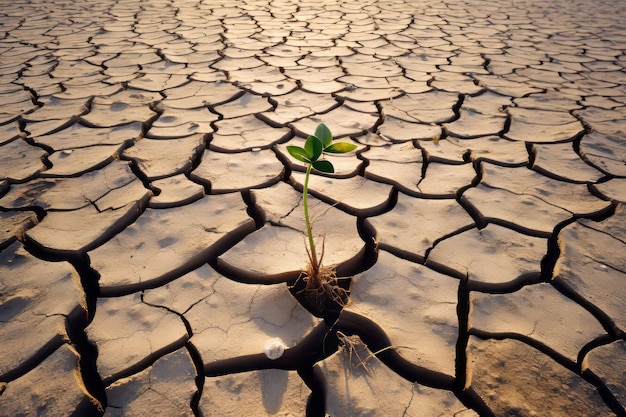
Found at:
(299, 153)
(313, 148)
(324, 166)
(341, 147)
(323, 134)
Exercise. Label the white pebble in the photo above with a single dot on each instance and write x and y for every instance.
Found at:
(274, 348)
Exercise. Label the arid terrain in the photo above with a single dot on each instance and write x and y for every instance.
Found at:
(152, 235)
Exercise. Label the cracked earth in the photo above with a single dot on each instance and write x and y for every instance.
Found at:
(151, 218)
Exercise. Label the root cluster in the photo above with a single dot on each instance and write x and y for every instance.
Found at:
(324, 285)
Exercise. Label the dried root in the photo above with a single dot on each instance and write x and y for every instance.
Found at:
(358, 351)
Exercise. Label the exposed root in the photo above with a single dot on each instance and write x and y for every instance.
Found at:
(322, 282)
(319, 290)
(328, 289)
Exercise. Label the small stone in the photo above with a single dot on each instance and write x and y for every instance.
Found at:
(274, 348)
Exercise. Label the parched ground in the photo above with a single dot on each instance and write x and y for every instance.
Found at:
(151, 217)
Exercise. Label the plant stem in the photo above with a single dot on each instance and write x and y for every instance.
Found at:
(309, 231)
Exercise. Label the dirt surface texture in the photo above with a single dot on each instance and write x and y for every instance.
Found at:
(152, 234)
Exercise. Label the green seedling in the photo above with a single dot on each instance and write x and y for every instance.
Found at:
(315, 147)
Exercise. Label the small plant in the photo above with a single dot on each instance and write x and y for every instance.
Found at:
(319, 279)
